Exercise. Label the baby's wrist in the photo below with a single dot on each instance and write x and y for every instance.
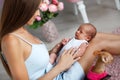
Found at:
(56, 49)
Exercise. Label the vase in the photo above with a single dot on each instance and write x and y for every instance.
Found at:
(49, 31)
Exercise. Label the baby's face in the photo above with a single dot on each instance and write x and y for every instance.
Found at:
(81, 34)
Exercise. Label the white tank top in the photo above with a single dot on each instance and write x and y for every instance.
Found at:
(37, 63)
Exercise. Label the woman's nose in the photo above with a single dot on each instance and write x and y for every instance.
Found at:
(38, 13)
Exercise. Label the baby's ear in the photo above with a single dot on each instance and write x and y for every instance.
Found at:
(88, 38)
(97, 52)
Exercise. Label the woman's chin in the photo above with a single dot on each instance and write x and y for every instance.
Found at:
(30, 22)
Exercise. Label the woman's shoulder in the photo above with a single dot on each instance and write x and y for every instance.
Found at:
(10, 40)
(11, 47)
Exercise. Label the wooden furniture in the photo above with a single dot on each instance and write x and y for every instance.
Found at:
(80, 6)
(117, 3)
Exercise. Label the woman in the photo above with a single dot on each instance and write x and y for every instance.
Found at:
(27, 57)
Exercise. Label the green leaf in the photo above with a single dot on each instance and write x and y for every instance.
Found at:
(51, 15)
(45, 17)
(36, 24)
(55, 14)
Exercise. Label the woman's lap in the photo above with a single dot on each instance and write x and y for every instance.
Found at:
(74, 73)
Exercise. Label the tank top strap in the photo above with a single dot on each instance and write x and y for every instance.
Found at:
(20, 37)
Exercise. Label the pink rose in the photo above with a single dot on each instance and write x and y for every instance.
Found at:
(73, 1)
(60, 6)
(38, 18)
(46, 1)
(43, 7)
(53, 8)
(55, 2)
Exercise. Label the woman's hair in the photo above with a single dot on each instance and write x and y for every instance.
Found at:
(15, 14)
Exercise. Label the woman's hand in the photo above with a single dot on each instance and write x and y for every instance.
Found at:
(67, 58)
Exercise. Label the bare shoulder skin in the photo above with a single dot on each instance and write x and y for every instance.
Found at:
(13, 51)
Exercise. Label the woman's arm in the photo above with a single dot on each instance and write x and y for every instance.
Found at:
(14, 55)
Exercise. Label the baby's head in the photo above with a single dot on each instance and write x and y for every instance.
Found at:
(86, 31)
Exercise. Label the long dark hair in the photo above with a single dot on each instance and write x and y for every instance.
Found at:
(15, 13)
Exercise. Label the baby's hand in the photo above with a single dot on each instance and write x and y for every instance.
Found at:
(65, 41)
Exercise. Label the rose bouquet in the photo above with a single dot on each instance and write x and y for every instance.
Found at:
(48, 10)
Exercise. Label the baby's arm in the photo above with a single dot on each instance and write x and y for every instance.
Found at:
(52, 58)
(65, 41)
(54, 52)
(82, 49)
